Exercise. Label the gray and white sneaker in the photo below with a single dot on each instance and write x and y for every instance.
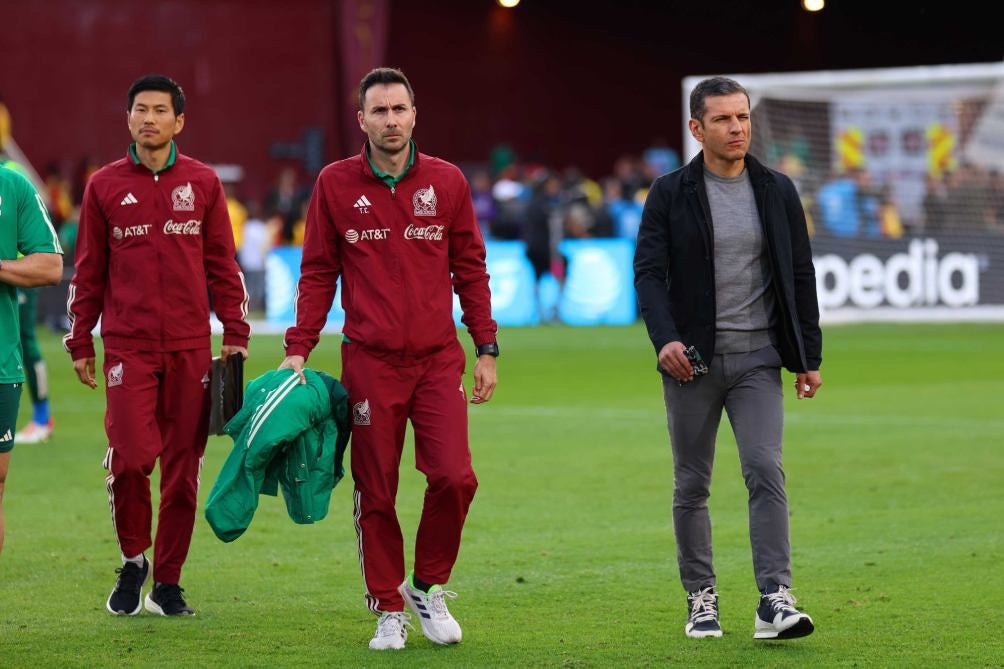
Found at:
(702, 620)
(391, 631)
(430, 607)
(777, 617)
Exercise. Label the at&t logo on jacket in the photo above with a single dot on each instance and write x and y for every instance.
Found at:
(352, 235)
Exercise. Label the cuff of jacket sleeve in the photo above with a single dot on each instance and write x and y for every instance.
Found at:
(660, 343)
(235, 340)
(298, 349)
(82, 351)
(483, 338)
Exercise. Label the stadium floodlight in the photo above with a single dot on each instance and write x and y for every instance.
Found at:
(508, 4)
(813, 5)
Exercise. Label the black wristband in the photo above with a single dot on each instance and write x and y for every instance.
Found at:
(488, 349)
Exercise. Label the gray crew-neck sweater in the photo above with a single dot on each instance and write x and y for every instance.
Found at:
(744, 296)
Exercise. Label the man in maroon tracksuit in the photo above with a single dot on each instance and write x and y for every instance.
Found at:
(154, 239)
(394, 224)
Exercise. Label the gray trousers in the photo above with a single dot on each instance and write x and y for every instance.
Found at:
(748, 387)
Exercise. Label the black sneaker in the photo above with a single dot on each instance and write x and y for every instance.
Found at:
(127, 597)
(166, 599)
(777, 617)
(702, 606)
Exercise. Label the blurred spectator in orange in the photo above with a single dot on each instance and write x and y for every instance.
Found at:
(60, 194)
(285, 200)
(238, 212)
(85, 168)
(890, 223)
(300, 224)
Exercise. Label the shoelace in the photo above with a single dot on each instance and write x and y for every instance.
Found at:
(782, 600)
(704, 606)
(130, 576)
(171, 593)
(392, 624)
(438, 599)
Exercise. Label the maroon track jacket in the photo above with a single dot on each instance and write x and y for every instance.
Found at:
(395, 250)
(148, 247)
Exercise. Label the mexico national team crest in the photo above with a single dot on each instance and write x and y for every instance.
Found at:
(425, 201)
(361, 413)
(183, 198)
(115, 375)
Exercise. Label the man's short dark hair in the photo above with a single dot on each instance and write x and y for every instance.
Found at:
(383, 75)
(712, 87)
(158, 82)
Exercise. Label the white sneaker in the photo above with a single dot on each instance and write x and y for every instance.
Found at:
(391, 631)
(33, 433)
(437, 623)
(777, 617)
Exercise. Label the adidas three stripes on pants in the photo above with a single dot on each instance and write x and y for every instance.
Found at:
(385, 391)
(158, 408)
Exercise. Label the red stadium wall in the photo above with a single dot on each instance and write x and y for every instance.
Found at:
(254, 73)
(564, 82)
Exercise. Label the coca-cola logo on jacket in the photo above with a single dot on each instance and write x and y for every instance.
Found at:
(192, 227)
(431, 232)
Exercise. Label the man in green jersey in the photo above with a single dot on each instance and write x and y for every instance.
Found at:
(39, 428)
(25, 228)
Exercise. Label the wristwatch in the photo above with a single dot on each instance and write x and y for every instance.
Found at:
(488, 349)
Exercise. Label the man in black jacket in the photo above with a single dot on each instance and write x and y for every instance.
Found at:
(724, 275)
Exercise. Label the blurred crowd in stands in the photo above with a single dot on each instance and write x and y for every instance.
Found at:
(536, 204)
(854, 204)
(862, 203)
(541, 205)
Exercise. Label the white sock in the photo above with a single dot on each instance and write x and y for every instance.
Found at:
(136, 560)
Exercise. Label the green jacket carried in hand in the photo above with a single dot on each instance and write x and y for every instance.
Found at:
(287, 434)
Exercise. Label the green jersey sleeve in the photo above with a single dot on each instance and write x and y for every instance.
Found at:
(35, 232)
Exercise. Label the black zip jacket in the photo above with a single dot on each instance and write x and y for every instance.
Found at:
(674, 264)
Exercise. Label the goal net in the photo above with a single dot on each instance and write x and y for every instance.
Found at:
(901, 173)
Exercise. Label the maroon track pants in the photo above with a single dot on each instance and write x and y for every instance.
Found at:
(158, 407)
(384, 393)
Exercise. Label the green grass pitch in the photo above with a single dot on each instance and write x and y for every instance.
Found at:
(895, 478)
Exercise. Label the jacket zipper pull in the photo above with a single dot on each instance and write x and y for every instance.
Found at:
(156, 177)
(393, 192)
